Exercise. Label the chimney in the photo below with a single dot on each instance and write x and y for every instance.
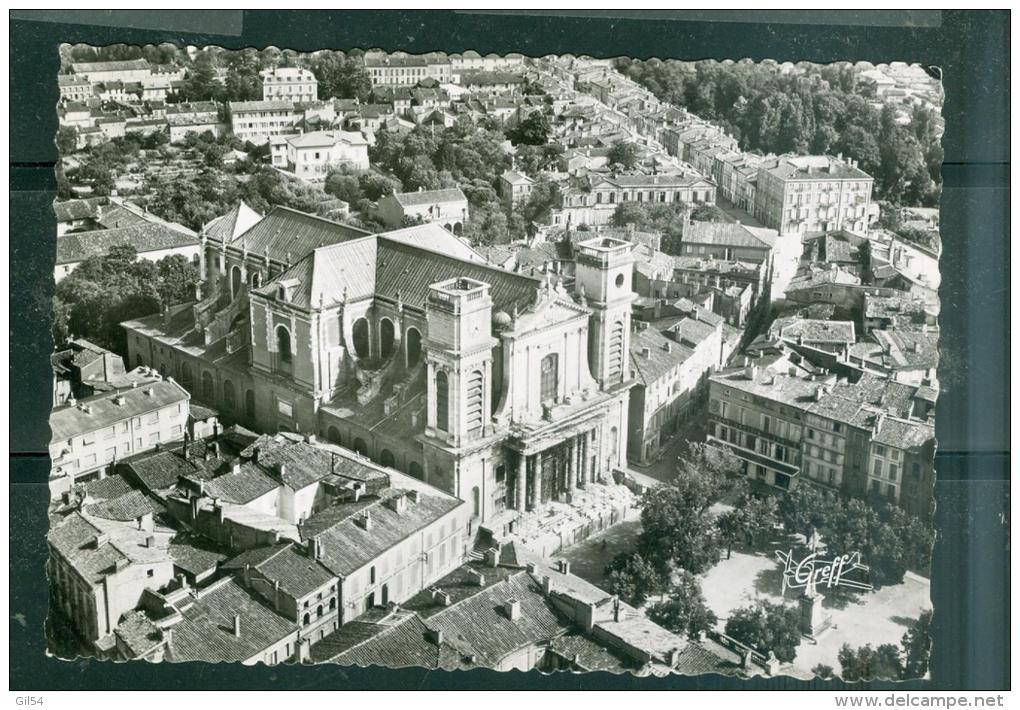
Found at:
(237, 625)
(616, 609)
(150, 541)
(398, 504)
(492, 557)
(646, 352)
(100, 539)
(235, 468)
(512, 609)
(415, 496)
(434, 636)
(185, 451)
(314, 548)
(365, 520)
(477, 578)
(751, 371)
(281, 469)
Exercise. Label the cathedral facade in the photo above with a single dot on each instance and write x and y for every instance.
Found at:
(504, 389)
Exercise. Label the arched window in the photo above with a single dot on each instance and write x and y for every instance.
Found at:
(442, 401)
(333, 435)
(256, 279)
(283, 344)
(186, 379)
(318, 612)
(614, 445)
(475, 398)
(360, 446)
(360, 333)
(235, 281)
(550, 377)
(307, 619)
(229, 398)
(413, 339)
(208, 388)
(385, 338)
(416, 470)
(386, 458)
(476, 501)
(249, 404)
(332, 604)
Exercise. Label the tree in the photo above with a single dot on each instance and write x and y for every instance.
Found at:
(823, 671)
(708, 213)
(623, 153)
(676, 524)
(767, 627)
(103, 291)
(917, 647)
(67, 140)
(342, 77)
(177, 279)
(533, 130)
(633, 578)
(867, 663)
(685, 612)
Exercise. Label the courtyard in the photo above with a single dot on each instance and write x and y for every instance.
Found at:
(876, 617)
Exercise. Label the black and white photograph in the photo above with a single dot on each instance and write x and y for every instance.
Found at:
(464, 361)
(560, 365)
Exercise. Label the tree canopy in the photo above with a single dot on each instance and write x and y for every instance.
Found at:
(103, 291)
(817, 109)
(766, 627)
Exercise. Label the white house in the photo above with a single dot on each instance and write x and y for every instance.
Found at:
(310, 155)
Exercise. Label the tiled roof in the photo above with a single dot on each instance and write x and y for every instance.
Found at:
(78, 246)
(589, 655)
(326, 139)
(811, 330)
(396, 640)
(478, 625)
(72, 210)
(125, 65)
(138, 633)
(490, 78)
(107, 488)
(229, 226)
(248, 484)
(68, 422)
(74, 538)
(244, 106)
(650, 181)
(195, 554)
(129, 506)
(659, 361)
(297, 573)
(814, 167)
(207, 631)
(429, 197)
(903, 434)
(410, 271)
(291, 235)
(347, 546)
(729, 234)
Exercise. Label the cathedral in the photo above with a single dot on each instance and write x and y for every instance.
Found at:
(504, 389)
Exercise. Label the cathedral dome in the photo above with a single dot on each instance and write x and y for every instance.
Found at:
(501, 319)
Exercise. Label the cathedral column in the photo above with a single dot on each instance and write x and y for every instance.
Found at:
(536, 481)
(571, 481)
(520, 496)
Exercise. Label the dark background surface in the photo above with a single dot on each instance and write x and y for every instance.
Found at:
(970, 580)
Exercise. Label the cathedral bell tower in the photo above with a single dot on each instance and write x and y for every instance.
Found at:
(605, 269)
(459, 358)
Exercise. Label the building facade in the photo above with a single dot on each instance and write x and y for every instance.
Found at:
(289, 84)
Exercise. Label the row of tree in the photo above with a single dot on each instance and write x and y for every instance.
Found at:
(816, 109)
(105, 290)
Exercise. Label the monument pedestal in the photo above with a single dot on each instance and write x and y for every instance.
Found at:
(813, 619)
